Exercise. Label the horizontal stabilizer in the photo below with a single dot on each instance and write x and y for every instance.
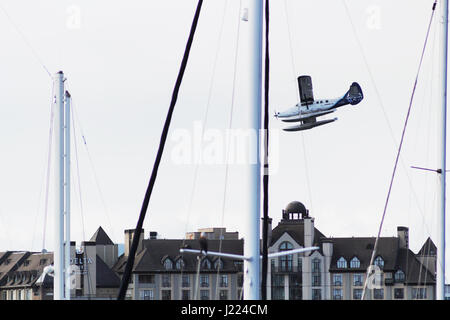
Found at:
(309, 125)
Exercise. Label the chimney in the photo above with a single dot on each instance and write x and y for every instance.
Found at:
(153, 235)
(308, 231)
(403, 237)
(129, 234)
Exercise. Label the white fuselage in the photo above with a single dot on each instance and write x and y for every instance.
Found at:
(316, 106)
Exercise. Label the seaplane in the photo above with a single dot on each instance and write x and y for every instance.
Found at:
(309, 109)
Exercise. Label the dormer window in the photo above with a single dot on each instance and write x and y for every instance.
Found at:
(342, 263)
(180, 264)
(355, 263)
(168, 265)
(379, 262)
(399, 276)
(218, 265)
(206, 264)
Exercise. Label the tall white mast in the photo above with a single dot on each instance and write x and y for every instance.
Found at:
(67, 107)
(61, 256)
(58, 256)
(440, 265)
(252, 221)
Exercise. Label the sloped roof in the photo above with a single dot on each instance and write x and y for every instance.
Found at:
(362, 248)
(428, 248)
(295, 228)
(415, 272)
(10, 263)
(106, 278)
(150, 259)
(100, 237)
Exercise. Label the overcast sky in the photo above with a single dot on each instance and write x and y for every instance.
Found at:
(121, 60)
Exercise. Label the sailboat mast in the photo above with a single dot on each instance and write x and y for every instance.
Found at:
(440, 265)
(67, 106)
(252, 223)
(58, 256)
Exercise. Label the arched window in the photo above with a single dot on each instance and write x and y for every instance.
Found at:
(218, 265)
(355, 263)
(168, 265)
(379, 262)
(399, 276)
(342, 263)
(180, 264)
(206, 264)
(285, 262)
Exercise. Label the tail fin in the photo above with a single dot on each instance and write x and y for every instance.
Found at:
(354, 95)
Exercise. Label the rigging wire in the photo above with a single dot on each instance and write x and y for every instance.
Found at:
(130, 261)
(230, 123)
(24, 38)
(398, 152)
(47, 176)
(50, 139)
(302, 133)
(205, 119)
(380, 103)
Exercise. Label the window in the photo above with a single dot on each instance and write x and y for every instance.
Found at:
(399, 276)
(317, 294)
(337, 294)
(357, 294)
(379, 262)
(240, 280)
(337, 279)
(355, 263)
(185, 280)
(180, 264)
(204, 280)
(146, 278)
(223, 295)
(316, 265)
(218, 265)
(419, 293)
(295, 286)
(206, 264)
(168, 265)
(399, 293)
(147, 295)
(285, 262)
(166, 294)
(358, 279)
(166, 280)
(316, 279)
(277, 287)
(342, 263)
(204, 294)
(223, 280)
(185, 294)
(26, 263)
(378, 294)
(42, 262)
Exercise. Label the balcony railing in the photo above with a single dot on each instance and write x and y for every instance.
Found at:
(285, 269)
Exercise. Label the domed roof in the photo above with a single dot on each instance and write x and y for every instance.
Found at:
(295, 207)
